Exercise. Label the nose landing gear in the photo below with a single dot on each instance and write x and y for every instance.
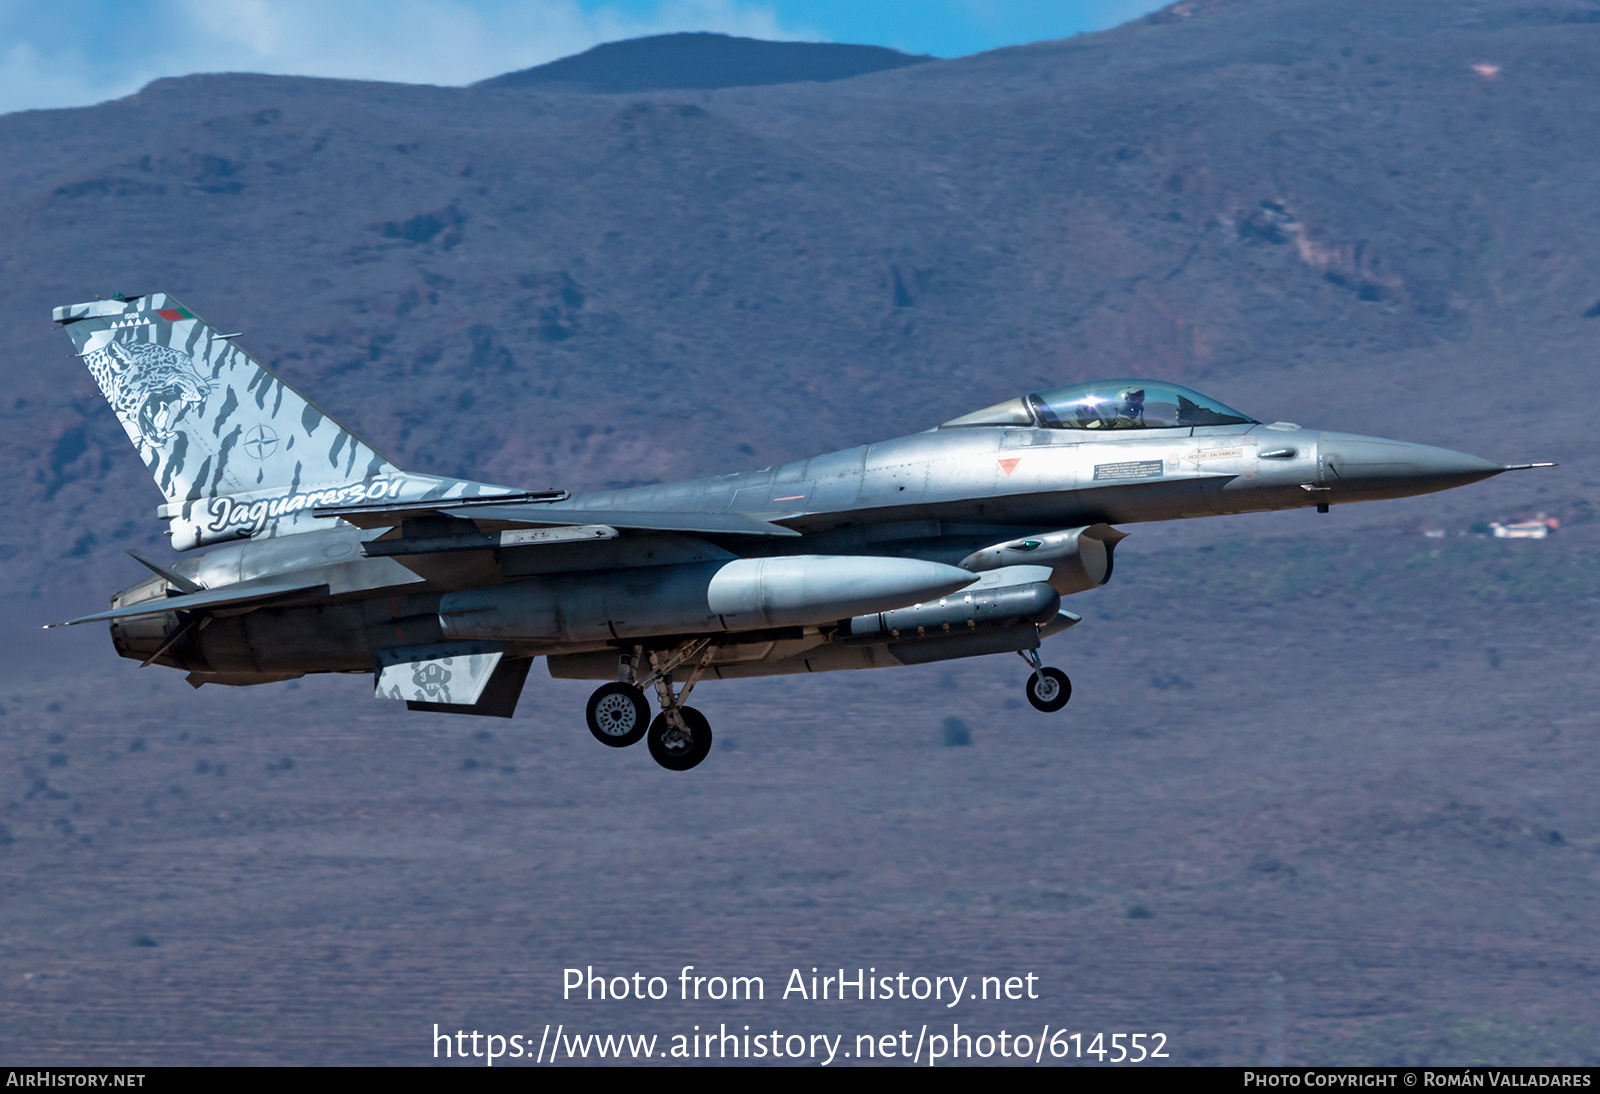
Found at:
(1048, 689)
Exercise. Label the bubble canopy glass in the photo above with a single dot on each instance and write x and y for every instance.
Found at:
(1108, 404)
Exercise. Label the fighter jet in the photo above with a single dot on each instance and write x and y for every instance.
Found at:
(954, 542)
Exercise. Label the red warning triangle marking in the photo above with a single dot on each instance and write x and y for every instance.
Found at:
(1010, 465)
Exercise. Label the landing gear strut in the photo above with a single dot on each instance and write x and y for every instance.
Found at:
(1048, 689)
(679, 737)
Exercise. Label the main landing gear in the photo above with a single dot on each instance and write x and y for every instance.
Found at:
(1048, 689)
(618, 714)
(681, 744)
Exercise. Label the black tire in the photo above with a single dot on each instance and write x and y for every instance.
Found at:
(1049, 690)
(618, 715)
(668, 746)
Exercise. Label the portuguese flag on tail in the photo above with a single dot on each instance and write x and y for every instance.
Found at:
(172, 315)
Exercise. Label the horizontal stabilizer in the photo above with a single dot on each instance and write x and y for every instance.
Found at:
(228, 596)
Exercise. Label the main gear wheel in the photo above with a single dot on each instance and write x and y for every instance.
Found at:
(680, 747)
(618, 715)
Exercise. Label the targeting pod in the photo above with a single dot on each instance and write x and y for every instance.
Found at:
(1079, 558)
(957, 613)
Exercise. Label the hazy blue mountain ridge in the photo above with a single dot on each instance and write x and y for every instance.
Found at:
(702, 60)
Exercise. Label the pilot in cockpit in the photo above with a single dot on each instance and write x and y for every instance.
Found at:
(1130, 409)
(1108, 404)
(1125, 412)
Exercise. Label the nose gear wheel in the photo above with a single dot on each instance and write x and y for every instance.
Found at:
(1049, 690)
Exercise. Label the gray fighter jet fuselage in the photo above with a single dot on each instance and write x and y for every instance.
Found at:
(957, 541)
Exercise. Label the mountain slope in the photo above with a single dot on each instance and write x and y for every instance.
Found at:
(578, 289)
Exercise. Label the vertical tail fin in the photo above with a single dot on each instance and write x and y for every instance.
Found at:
(233, 447)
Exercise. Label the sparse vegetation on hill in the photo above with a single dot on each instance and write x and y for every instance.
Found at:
(1324, 790)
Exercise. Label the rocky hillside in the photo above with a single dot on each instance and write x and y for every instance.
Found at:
(1325, 791)
(1376, 215)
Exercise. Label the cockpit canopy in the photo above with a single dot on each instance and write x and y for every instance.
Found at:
(1108, 404)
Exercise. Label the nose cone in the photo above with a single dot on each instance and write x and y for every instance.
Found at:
(1375, 468)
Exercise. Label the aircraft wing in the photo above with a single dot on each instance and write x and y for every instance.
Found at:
(245, 594)
(724, 524)
(727, 524)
